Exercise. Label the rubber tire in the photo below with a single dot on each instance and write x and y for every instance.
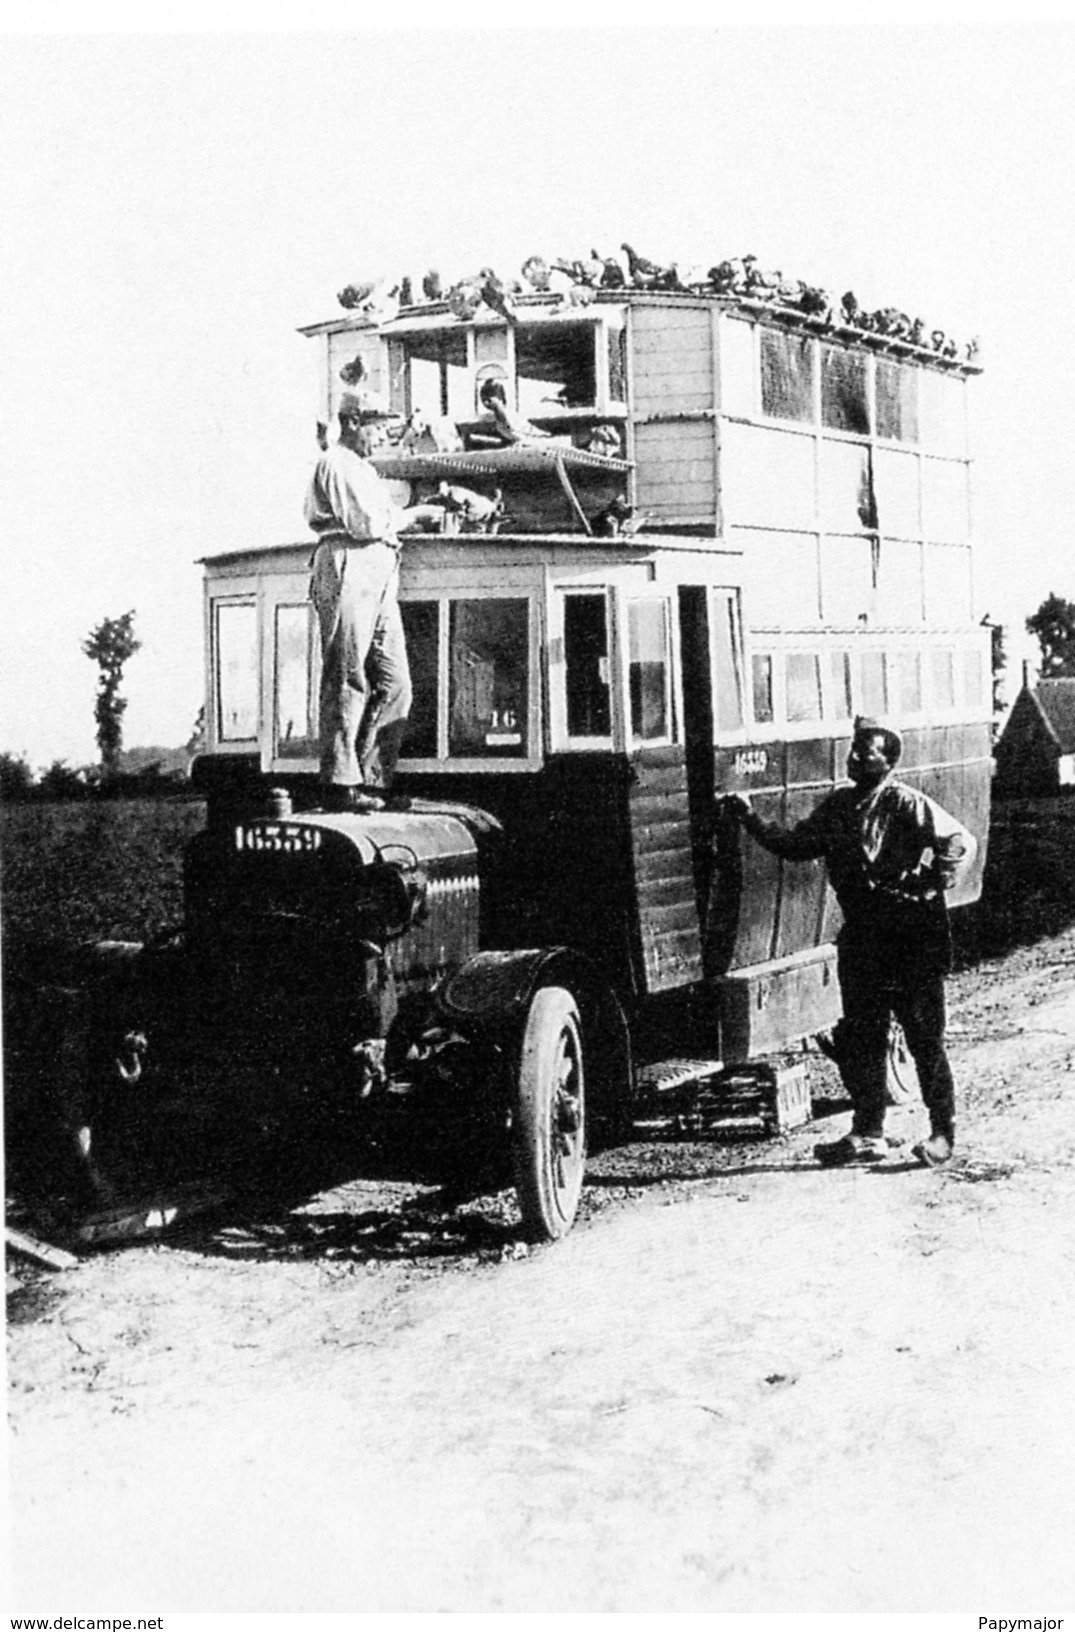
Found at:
(549, 1111)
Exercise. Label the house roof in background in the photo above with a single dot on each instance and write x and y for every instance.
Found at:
(1056, 702)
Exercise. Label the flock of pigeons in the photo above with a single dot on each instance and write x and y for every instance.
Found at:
(577, 282)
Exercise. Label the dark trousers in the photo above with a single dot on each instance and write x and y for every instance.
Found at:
(880, 980)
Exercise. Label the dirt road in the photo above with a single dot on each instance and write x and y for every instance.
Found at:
(741, 1384)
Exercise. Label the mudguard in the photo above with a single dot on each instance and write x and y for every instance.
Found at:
(490, 996)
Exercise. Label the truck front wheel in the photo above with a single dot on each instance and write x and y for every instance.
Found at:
(549, 1116)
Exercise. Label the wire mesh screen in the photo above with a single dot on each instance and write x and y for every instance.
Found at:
(843, 391)
(787, 375)
(896, 389)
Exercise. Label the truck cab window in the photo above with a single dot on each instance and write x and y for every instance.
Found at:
(727, 652)
(421, 626)
(761, 666)
(874, 683)
(236, 641)
(586, 663)
(803, 682)
(489, 679)
(649, 670)
(292, 726)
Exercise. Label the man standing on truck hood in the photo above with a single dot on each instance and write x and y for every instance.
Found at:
(365, 679)
(891, 853)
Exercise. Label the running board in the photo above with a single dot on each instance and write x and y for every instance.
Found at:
(696, 1099)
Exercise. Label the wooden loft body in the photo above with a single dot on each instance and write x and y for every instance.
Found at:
(833, 458)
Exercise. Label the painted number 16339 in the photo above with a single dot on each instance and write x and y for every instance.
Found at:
(751, 761)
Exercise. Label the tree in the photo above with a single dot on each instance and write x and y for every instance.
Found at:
(16, 778)
(998, 663)
(195, 743)
(62, 781)
(109, 646)
(1054, 625)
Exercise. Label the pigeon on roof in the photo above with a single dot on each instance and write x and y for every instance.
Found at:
(612, 275)
(353, 295)
(647, 274)
(536, 272)
(496, 294)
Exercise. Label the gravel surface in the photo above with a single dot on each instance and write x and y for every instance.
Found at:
(742, 1383)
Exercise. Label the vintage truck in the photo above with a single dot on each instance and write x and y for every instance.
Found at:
(746, 521)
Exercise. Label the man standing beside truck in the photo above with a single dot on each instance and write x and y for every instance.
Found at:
(365, 695)
(891, 853)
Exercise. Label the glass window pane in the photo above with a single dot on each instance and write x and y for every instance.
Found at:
(847, 497)
(899, 582)
(803, 679)
(943, 413)
(767, 476)
(421, 624)
(589, 698)
(896, 485)
(237, 670)
(896, 391)
(648, 669)
(293, 735)
(846, 580)
(782, 581)
(943, 667)
(554, 363)
(737, 367)
(944, 500)
(843, 390)
(728, 703)
(948, 584)
(874, 687)
(489, 679)
(841, 685)
(761, 667)
(787, 375)
(909, 682)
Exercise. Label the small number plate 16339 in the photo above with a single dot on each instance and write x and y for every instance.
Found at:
(285, 838)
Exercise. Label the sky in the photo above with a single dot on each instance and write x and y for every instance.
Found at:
(175, 205)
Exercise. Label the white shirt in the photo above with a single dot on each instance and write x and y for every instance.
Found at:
(346, 494)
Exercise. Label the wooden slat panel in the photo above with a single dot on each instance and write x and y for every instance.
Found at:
(802, 888)
(692, 435)
(680, 472)
(664, 880)
(655, 328)
(658, 895)
(672, 961)
(653, 837)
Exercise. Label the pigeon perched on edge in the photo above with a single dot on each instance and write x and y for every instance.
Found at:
(647, 274)
(496, 294)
